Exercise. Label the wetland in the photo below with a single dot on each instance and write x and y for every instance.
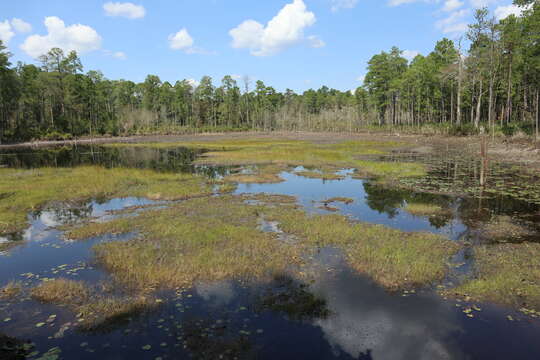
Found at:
(267, 247)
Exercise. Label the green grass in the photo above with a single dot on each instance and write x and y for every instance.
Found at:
(507, 274)
(31, 190)
(210, 239)
(204, 239)
(61, 291)
(424, 209)
(300, 153)
(393, 258)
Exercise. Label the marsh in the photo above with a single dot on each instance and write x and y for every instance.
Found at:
(266, 247)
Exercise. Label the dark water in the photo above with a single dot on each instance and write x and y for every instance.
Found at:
(335, 314)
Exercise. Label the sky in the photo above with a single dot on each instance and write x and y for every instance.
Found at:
(296, 44)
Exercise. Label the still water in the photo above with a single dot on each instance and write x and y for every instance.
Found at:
(340, 314)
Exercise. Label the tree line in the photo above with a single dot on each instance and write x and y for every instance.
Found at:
(494, 86)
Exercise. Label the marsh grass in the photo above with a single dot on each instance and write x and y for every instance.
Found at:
(300, 153)
(210, 239)
(11, 290)
(424, 209)
(393, 258)
(507, 274)
(33, 189)
(61, 291)
(344, 200)
(262, 174)
(204, 239)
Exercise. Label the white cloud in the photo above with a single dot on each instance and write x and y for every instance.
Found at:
(410, 54)
(183, 41)
(343, 4)
(482, 3)
(316, 42)
(127, 10)
(6, 32)
(21, 26)
(502, 12)
(454, 22)
(401, 2)
(451, 5)
(81, 38)
(361, 78)
(120, 55)
(284, 30)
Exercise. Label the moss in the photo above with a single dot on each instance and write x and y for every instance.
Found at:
(393, 258)
(507, 274)
(32, 189)
(61, 291)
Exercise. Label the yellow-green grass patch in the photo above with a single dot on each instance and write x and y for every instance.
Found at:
(61, 291)
(507, 274)
(393, 258)
(204, 239)
(32, 189)
(424, 209)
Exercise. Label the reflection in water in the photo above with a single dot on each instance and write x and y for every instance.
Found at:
(333, 313)
(365, 318)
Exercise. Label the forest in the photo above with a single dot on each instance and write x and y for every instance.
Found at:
(486, 81)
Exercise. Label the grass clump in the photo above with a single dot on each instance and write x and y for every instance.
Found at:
(204, 239)
(61, 291)
(11, 290)
(393, 258)
(344, 200)
(32, 189)
(424, 209)
(507, 274)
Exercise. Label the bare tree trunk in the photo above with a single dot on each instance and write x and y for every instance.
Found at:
(478, 106)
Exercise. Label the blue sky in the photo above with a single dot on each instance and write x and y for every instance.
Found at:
(297, 44)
